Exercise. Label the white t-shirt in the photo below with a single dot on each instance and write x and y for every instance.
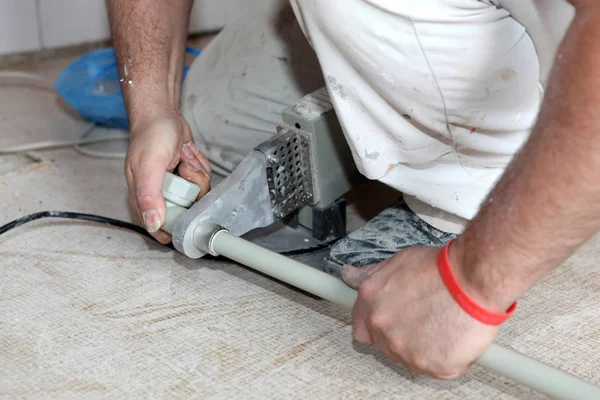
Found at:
(435, 96)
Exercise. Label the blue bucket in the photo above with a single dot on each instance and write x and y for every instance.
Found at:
(90, 85)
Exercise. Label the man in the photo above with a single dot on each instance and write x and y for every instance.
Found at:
(460, 104)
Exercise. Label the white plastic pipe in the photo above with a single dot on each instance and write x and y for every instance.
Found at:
(517, 367)
(285, 269)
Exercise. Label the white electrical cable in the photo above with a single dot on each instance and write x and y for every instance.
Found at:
(77, 143)
(53, 144)
(28, 76)
(117, 155)
(98, 154)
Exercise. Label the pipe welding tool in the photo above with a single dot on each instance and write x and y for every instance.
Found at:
(301, 173)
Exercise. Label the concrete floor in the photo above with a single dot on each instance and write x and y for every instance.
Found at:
(95, 312)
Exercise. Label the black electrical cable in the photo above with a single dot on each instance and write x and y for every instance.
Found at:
(123, 225)
(73, 215)
(308, 250)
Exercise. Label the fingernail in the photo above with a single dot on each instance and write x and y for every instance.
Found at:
(151, 220)
(187, 152)
(193, 147)
(192, 166)
(204, 161)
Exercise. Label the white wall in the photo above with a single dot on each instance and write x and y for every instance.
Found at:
(29, 25)
(18, 26)
(69, 22)
(213, 14)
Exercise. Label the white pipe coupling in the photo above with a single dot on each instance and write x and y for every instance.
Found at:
(204, 234)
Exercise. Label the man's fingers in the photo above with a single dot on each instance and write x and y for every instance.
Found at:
(195, 167)
(355, 276)
(198, 176)
(148, 176)
(204, 160)
(192, 155)
(359, 325)
(162, 237)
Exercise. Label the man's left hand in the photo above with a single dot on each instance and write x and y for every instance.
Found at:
(405, 310)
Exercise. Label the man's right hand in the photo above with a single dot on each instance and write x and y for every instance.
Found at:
(158, 144)
(149, 38)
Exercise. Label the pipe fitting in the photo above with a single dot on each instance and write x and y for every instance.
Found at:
(204, 234)
(179, 195)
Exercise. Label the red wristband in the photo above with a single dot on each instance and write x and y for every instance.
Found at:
(463, 299)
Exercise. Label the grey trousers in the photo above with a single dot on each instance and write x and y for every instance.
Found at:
(236, 90)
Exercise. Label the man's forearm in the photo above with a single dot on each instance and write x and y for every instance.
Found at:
(149, 37)
(548, 202)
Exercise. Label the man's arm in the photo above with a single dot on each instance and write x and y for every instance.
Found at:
(149, 38)
(544, 207)
(548, 202)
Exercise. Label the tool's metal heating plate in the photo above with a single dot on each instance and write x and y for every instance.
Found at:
(288, 171)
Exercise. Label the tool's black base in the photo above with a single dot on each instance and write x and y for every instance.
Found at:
(329, 223)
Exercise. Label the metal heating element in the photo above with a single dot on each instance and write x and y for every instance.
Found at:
(289, 174)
